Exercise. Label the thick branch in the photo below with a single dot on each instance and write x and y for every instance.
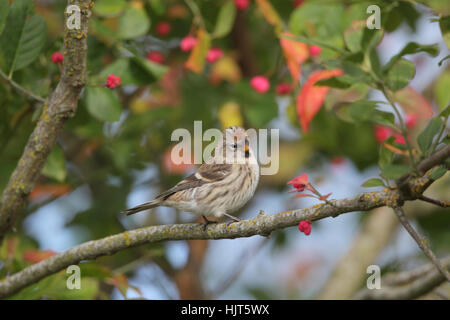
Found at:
(421, 281)
(260, 225)
(57, 109)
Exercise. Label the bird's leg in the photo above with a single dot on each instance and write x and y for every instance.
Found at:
(233, 218)
(207, 222)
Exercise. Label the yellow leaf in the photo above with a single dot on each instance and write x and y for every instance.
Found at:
(225, 69)
(196, 61)
(270, 14)
(230, 115)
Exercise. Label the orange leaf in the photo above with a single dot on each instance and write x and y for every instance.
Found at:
(412, 102)
(295, 53)
(196, 61)
(49, 190)
(311, 97)
(269, 13)
(35, 256)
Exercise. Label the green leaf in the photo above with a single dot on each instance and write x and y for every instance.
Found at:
(394, 171)
(444, 24)
(438, 173)
(374, 182)
(386, 155)
(55, 165)
(400, 74)
(384, 118)
(157, 6)
(133, 23)
(109, 8)
(152, 69)
(341, 82)
(132, 72)
(32, 41)
(371, 38)
(225, 20)
(425, 138)
(103, 104)
(445, 112)
(366, 110)
(441, 90)
(411, 48)
(13, 32)
(258, 109)
(4, 9)
(353, 36)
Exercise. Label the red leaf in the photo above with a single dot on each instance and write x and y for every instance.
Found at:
(35, 256)
(303, 195)
(49, 190)
(295, 53)
(311, 97)
(413, 103)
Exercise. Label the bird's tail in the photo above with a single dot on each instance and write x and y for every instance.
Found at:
(142, 207)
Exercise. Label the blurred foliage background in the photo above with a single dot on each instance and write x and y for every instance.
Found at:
(115, 152)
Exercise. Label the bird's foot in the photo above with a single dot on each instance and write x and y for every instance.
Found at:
(233, 219)
(207, 222)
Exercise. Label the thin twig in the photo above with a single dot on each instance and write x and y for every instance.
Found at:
(421, 241)
(196, 12)
(21, 89)
(402, 126)
(415, 289)
(439, 136)
(443, 204)
(241, 264)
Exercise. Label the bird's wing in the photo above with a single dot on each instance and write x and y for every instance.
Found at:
(206, 173)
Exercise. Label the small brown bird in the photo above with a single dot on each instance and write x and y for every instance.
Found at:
(220, 186)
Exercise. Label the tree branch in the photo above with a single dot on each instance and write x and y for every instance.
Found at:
(57, 109)
(421, 241)
(261, 225)
(429, 279)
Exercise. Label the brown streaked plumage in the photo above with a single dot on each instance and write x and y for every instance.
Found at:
(220, 186)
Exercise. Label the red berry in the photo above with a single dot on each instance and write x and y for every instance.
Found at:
(315, 51)
(305, 227)
(214, 54)
(260, 84)
(163, 28)
(57, 57)
(242, 4)
(113, 81)
(155, 56)
(284, 88)
(188, 43)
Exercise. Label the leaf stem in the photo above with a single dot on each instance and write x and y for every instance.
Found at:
(441, 132)
(402, 125)
(21, 89)
(198, 19)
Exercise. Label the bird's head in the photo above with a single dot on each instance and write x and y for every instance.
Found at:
(235, 145)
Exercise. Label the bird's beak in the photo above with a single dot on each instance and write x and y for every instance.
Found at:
(246, 146)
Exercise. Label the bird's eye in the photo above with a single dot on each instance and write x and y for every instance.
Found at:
(234, 145)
